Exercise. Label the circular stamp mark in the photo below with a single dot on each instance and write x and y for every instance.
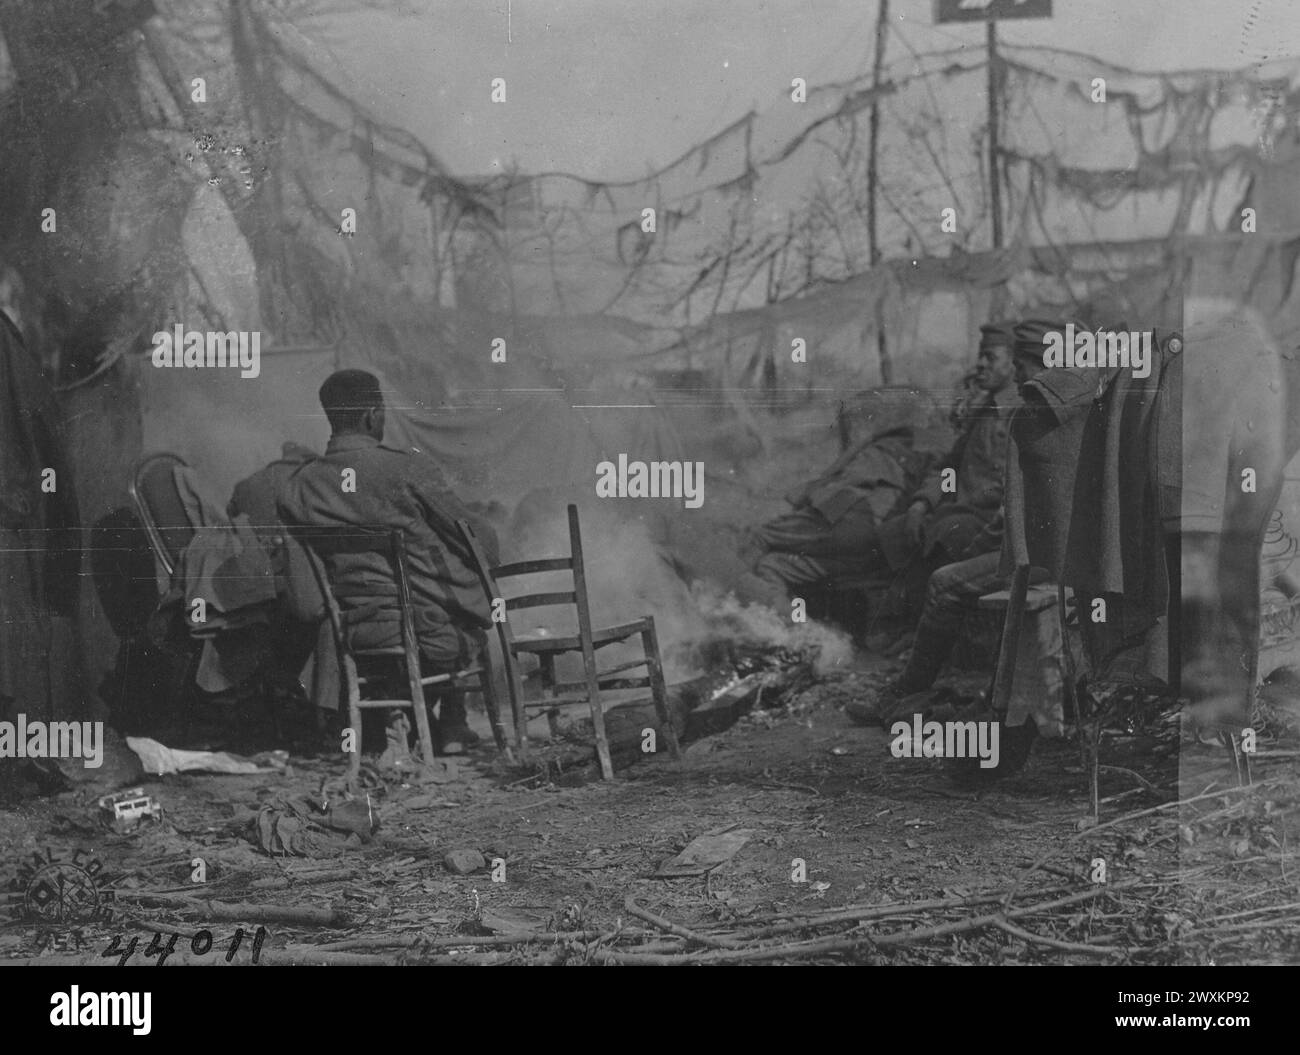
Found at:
(48, 889)
(62, 893)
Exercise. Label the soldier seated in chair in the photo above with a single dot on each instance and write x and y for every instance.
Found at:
(360, 481)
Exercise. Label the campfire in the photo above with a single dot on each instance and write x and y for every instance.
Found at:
(747, 659)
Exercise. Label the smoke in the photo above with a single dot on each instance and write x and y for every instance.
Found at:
(755, 626)
(629, 575)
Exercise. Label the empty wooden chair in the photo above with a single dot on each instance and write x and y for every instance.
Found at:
(586, 642)
(323, 543)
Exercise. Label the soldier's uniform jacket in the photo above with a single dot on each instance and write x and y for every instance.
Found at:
(966, 522)
(394, 488)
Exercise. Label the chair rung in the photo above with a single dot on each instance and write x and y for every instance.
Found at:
(571, 688)
(534, 567)
(604, 683)
(557, 701)
(625, 683)
(460, 675)
(545, 705)
(541, 600)
(1037, 598)
(609, 635)
(620, 667)
(373, 704)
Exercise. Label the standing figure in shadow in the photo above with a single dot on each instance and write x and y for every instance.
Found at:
(40, 542)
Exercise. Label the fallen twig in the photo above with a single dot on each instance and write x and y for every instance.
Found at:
(851, 942)
(978, 922)
(378, 941)
(303, 915)
(634, 909)
(848, 913)
(300, 955)
(283, 882)
(547, 958)
(1263, 910)
(1240, 928)
(1068, 946)
(1146, 784)
(1123, 818)
(792, 950)
(406, 941)
(328, 958)
(1120, 795)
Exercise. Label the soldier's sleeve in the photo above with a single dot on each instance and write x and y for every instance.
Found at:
(931, 489)
(288, 501)
(988, 540)
(442, 509)
(993, 457)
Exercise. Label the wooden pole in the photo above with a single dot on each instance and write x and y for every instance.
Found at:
(995, 183)
(882, 27)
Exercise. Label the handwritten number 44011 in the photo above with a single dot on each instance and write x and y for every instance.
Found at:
(200, 945)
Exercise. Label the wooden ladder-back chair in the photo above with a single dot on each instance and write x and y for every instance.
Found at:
(586, 642)
(322, 543)
(158, 503)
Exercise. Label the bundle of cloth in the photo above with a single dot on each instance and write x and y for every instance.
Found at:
(260, 606)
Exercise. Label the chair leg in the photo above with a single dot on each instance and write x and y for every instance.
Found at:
(1009, 646)
(658, 689)
(518, 712)
(515, 693)
(1089, 734)
(421, 710)
(489, 693)
(354, 714)
(597, 711)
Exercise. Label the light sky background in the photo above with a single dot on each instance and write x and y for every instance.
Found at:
(612, 89)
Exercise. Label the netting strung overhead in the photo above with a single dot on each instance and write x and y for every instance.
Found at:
(774, 206)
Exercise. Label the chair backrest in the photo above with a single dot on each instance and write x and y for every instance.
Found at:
(576, 596)
(158, 502)
(322, 542)
(491, 577)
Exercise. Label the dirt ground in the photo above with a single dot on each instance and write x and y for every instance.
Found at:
(894, 842)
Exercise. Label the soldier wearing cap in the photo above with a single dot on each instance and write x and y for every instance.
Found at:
(394, 488)
(962, 497)
(954, 590)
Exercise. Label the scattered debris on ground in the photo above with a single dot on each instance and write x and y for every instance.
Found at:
(790, 835)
